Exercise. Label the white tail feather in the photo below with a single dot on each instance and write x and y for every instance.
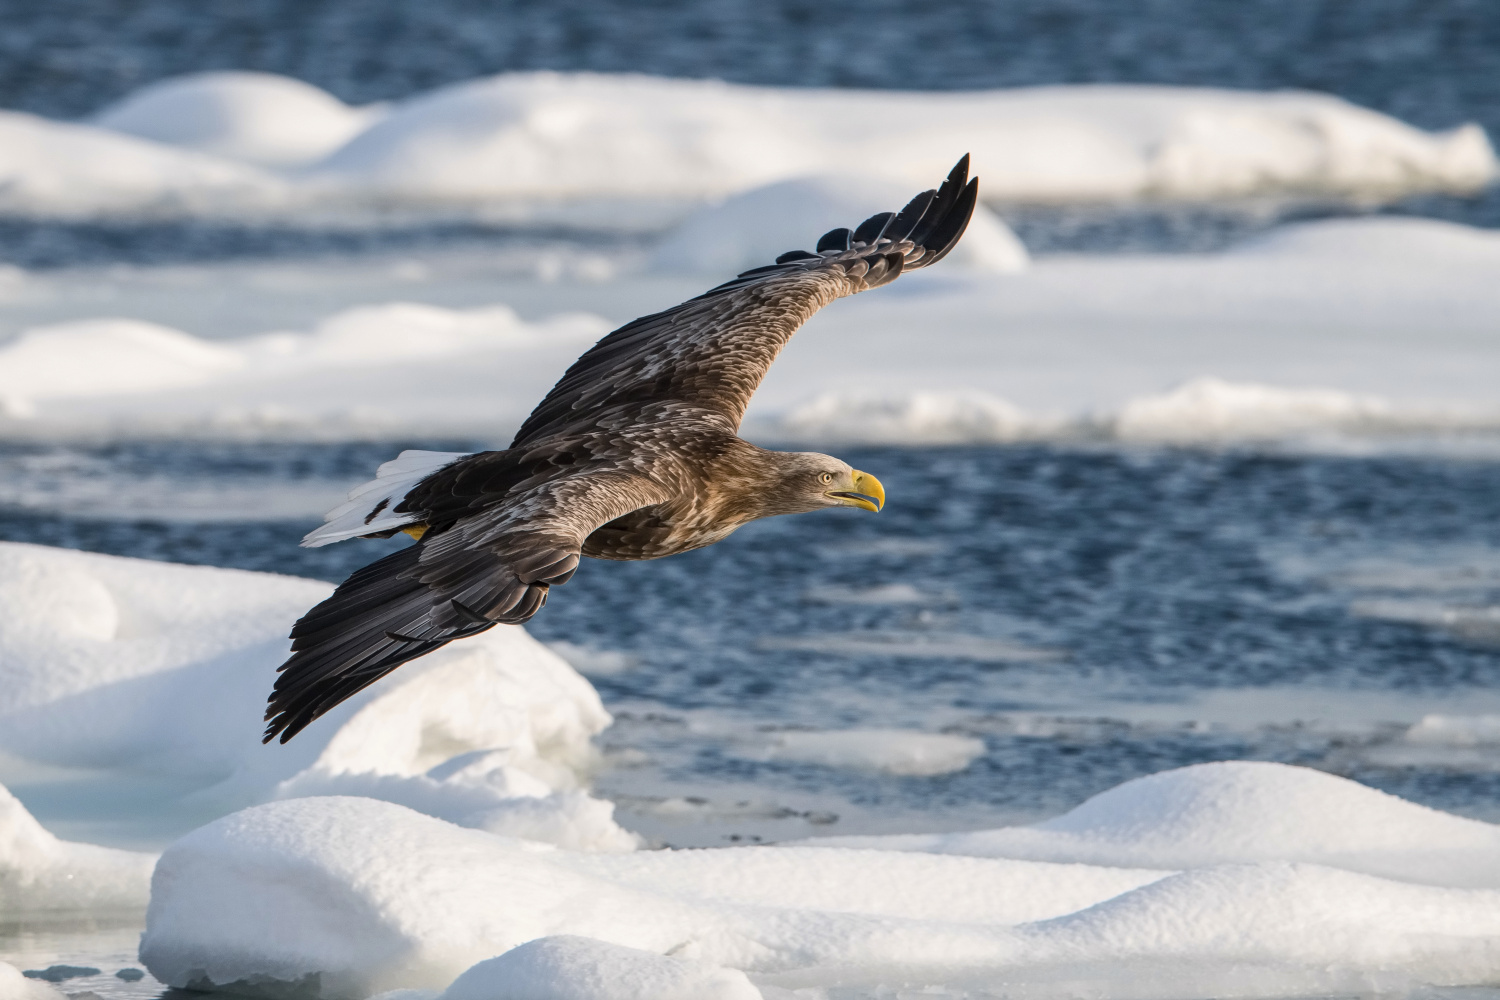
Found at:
(358, 515)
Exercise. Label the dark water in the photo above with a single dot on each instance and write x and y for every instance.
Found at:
(1139, 578)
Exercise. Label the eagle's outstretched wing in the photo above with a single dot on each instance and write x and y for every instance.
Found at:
(711, 352)
(491, 568)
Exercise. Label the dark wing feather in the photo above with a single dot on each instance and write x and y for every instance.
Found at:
(492, 566)
(710, 353)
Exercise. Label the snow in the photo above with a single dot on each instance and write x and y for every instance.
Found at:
(40, 873)
(74, 171)
(568, 967)
(146, 668)
(1240, 812)
(1370, 330)
(14, 986)
(754, 228)
(1262, 878)
(539, 136)
(892, 751)
(348, 374)
(636, 150)
(257, 117)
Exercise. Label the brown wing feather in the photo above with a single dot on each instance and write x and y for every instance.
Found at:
(712, 352)
(494, 566)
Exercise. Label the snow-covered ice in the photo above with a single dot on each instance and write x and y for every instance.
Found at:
(14, 986)
(258, 117)
(145, 668)
(1264, 878)
(893, 751)
(567, 967)
(40, 873)
(530, 144)
(1375, 329)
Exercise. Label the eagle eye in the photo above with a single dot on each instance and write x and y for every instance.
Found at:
(826, 478)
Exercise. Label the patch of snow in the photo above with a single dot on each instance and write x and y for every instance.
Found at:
(72, 171)
(39, 873)
(1318, 346)
(568, 967)
(260, 118)
(910, 418)
(1241, 812)
(611, 146)
(149, 668)
(754, 228)
(892, 751)
(551, 135)
(1214, 409)
(14, 986)
(1456, 730)
(370, 896)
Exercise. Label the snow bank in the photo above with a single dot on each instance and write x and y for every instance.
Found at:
(1207, 409)
(1240, 812)
(151, 668)
(1365, 331)
(258, 117)
(754, 228)
(550, 135)
(39, 872)
(567, 967)
(14, 986)
(369, 896)
(534, 141)
(73, 171)
(363, 367)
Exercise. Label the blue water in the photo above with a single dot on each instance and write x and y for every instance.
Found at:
(1141, 578)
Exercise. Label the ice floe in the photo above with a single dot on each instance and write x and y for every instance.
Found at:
(893, 751)
(1263, 878)
(15, 986)
(262, 118)
(524, 143)
(147, 668)
(568, 967)
(1241, 812)
(74, 171)
(39, 872)
(1324, 333)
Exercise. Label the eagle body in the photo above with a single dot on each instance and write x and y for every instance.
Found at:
(634, 454)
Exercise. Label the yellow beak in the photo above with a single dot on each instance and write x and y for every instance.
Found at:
(867, 494)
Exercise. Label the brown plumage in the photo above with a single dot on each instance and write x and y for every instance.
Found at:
(634, 454)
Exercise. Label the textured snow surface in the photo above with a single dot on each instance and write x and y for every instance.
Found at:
(567, 967)
(232, 143)
(1263, 878)
(147, 668)
(39, 872)
(1376, 329)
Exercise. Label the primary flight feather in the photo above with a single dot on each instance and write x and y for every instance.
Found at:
(634, 454)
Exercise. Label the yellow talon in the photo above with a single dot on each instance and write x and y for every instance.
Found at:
(416, 530)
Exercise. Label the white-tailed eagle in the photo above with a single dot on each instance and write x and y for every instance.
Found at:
(634, 454)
